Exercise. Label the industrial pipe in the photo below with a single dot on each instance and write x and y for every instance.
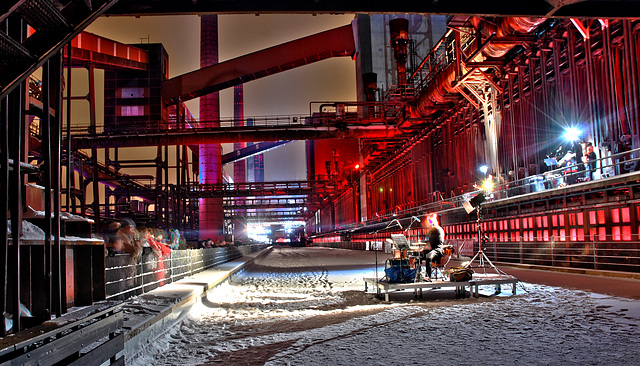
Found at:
(399, 28)
(441, 89)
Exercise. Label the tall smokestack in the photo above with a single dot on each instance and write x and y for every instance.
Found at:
(211, 216)
(239, 171)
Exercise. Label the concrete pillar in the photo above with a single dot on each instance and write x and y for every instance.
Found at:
(239, 170)
(211, 216)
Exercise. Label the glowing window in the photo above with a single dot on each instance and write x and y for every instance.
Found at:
(563, 235)
(615, 215)
(602, 234)
(601, 220)
(574, 234)
(592, 218)
(626, 215)
(530, 221)
(524, 224)
(580, 218)
(554, 220)
(561, 219)
(127, 93)
(131, 110)
(580, 234)
(615, 233)
(545, 235)
(626, 233)
(572, 219)
(539, 221)
(545, 221)
(525, 236)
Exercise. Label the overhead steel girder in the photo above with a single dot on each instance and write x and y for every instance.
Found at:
(263, 207)
(260, 193)
(228, 135)
(249, 151)
(332, 43)
(537, 8)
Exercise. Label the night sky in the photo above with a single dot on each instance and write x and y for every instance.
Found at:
(286, 93)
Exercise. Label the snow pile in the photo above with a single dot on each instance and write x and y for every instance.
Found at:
(306, 306)
(29, 231)
(30, 213)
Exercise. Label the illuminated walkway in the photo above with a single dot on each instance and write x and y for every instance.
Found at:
(313, 298)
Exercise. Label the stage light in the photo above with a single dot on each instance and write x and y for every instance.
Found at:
(572, 134)
(484, 169)
(487, 185)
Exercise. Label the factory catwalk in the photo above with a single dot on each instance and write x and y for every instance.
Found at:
(306, 306)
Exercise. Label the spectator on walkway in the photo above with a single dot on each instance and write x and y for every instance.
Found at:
(130, 239)
(591, 161)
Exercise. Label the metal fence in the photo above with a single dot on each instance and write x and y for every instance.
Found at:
(126, 277)
(610, 255)
(594, 254)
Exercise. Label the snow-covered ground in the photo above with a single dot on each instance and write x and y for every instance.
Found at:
(306, 306)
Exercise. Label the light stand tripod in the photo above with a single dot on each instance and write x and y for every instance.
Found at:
(483, 260)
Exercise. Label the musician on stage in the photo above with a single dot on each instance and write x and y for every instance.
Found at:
(436, 241)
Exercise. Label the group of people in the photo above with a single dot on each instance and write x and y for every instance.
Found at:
(209, 243)
(124, 237)
(580, 157)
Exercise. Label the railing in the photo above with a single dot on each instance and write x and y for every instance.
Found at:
(619, 256)
(593, 254)
(126, 277)
(607, 167)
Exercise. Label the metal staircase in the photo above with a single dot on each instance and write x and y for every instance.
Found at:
(31, 31)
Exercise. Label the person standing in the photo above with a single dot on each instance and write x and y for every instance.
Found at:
(591, 161)
(436, 241)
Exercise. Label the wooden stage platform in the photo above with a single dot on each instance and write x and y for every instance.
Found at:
(460, 287)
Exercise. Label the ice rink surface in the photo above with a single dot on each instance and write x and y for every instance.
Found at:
(307, 306)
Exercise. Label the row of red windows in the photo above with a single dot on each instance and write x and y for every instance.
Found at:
(328, 239)
(510, 229)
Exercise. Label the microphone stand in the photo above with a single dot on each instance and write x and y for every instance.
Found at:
(482, 258)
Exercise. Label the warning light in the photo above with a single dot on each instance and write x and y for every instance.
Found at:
(357, 166)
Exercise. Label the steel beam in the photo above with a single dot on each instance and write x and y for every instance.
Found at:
(228, 135)
(332, 43)
(537, 8)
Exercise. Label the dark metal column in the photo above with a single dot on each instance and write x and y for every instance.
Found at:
(16, 128)
(55, 70)
(45, 128)
(94, 151)
(70, 206)
(4, 204)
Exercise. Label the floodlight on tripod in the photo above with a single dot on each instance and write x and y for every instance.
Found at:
(475, 205)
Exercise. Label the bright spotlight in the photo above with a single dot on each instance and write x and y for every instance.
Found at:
(572, 134)
(484, 169)
(487, 185)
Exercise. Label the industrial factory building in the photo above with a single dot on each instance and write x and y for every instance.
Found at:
(516, 125)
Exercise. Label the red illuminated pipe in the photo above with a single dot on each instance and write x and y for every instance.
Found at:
(503, 27)
(441, 89)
